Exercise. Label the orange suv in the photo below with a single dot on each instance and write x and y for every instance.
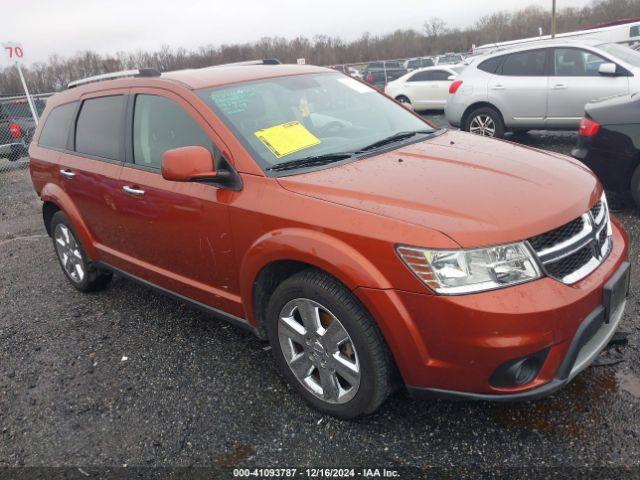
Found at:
(370, 248)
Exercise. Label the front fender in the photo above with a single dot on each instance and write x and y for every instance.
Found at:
(56, 195)
(314, 248)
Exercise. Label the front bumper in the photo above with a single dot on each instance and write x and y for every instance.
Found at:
(451, 345)
(590, 339)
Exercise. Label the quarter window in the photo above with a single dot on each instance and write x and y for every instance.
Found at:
(490, 65)
(574, 62)
(525, 64)
(56, 127)
(99, 130)
(160, 124)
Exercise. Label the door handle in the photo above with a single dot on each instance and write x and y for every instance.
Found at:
(67, 173)
(136, 192)
(559, 86)
(497, 87)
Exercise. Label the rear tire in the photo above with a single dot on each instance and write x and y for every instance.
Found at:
(635, 186)
(403, 99)
(485, 121)
(75, 264)
(327, 346)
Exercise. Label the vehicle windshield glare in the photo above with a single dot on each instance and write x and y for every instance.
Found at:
(284, 119)
(622, 52)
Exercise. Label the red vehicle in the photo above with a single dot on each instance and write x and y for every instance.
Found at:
(371, 249)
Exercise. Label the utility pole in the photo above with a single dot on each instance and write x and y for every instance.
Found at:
(553, 18)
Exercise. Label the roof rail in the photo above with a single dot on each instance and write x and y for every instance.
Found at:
(138, 72)
(264, 61)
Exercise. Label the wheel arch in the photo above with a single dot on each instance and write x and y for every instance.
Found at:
(475, 106)
(282, 253)
(55, 199)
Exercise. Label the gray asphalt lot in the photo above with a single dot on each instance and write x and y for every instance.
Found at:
(127, 376)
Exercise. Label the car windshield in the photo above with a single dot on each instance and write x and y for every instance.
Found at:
(623, 53)
(284, 119)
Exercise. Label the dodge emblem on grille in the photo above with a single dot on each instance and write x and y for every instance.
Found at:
(595, 250)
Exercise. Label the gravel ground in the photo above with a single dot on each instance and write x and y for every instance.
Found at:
(127, 376)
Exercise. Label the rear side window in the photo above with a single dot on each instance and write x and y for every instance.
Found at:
(160, 124)
(525, 64)
(99, 130)
(440, 75)
(490, 65)
(56, 127)
(420, 77)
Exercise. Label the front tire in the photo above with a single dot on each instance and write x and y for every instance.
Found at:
(72, 257)
(485, 121)
(327, 346)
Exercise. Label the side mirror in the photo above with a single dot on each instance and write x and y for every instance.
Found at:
(189, 163)
(451, 78)
(607, 68)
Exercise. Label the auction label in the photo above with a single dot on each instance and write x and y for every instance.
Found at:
(315, 473)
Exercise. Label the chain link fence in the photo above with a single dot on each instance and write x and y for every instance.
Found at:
(17, 126)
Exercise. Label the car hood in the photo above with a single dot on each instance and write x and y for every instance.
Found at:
(476, 190)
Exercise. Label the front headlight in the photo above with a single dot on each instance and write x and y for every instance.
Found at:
(455, 272)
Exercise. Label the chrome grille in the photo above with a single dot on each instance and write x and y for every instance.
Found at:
(574, 250)
(560, 234)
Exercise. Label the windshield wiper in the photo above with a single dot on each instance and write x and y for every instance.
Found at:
(311, 161)
(396, 137)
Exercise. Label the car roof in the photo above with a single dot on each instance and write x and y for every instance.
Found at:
(197, 78)
(191, 79)
(593, 43)
(227, 74)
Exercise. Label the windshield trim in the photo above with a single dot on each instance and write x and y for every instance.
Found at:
(270, 173)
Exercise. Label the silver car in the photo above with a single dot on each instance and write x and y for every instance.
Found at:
(542, 86)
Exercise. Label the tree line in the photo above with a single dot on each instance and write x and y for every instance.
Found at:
(436, 37)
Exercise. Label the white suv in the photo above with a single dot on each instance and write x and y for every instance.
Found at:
(543, 86)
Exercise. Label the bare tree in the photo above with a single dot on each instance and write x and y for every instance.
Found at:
(434, 27)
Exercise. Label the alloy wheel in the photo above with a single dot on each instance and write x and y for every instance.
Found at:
(483, 125)
(319, 351)
(69, 253)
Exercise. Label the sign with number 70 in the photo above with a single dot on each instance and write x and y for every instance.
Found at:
(13, 52)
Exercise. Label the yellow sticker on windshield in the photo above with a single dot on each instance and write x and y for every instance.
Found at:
(287, 138)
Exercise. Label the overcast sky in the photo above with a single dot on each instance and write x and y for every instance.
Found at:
(68, 26)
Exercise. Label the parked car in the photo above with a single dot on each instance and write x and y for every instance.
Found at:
(347, 70)
(609, 143)
(450, 59)
(415, 63)
(356, 238)
(16, 127)
(380, 73)
(539, 87)
(426, 88)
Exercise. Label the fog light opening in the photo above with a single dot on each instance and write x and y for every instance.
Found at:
(519, 371)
